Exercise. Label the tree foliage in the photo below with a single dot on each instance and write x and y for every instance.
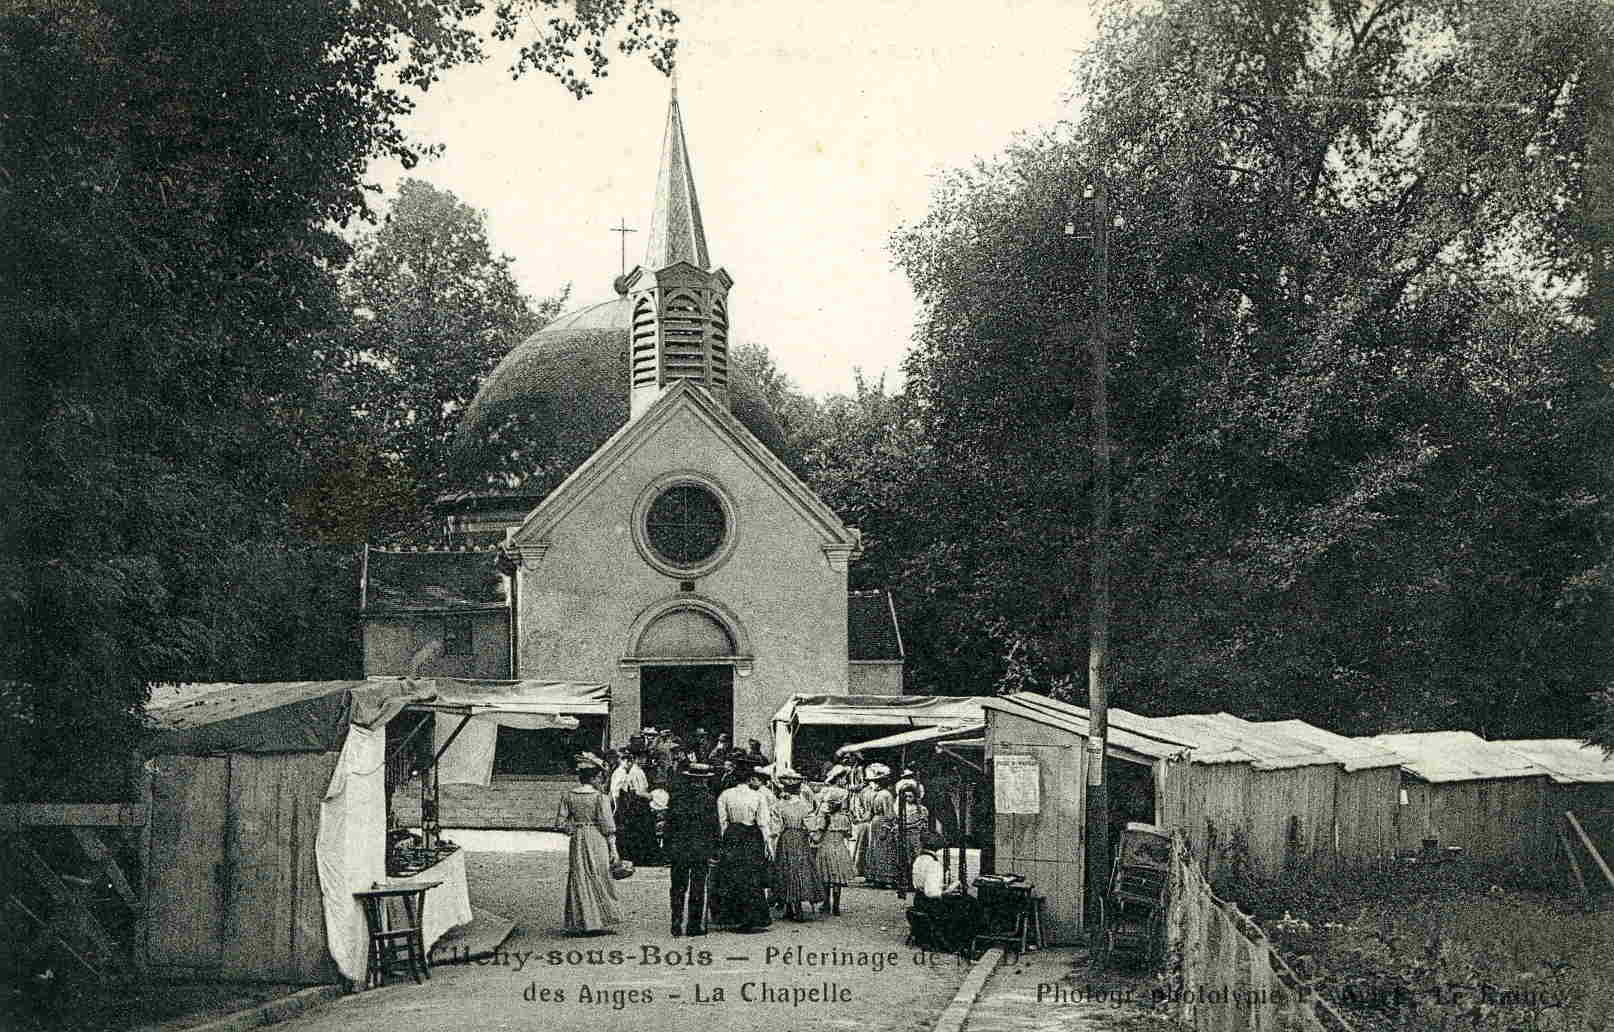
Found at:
(171, 176)
(434, 311)
(1361, 467)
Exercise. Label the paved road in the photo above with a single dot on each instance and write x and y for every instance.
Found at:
(832, 973)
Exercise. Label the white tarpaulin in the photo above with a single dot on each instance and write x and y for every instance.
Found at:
(469, 757)
(351, 846)
(870, 711)
(528, 705)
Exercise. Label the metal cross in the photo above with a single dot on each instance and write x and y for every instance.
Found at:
(624, 230)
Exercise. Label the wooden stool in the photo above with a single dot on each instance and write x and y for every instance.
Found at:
(393, 949)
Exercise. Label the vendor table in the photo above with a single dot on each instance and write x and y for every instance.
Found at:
(448, 904)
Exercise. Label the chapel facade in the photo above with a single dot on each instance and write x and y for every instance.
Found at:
(654, 541)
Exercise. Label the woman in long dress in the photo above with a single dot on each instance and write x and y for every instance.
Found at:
(834, 855)
(912, 821)
(795, 875)
(880, 845)
(585, 813)
(741, 877)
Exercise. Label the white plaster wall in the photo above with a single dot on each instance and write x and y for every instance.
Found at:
(578, 604)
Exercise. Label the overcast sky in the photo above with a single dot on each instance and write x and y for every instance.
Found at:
(815, 130)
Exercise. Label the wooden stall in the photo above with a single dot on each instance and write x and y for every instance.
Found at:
(269, 809)
(1281, 797)
(1035, 749)
(1582, 775)
(1457, 789)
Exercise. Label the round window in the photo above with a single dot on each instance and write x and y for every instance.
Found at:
(685, 525)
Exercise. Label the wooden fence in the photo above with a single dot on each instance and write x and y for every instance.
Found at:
(1226, 977)
(66, 921)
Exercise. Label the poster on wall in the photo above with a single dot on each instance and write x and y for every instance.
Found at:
(1015, 784)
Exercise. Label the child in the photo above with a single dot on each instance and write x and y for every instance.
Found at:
(834, 857)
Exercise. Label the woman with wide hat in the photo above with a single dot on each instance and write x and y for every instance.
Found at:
(879, 859)
(585, 814)
(741, 877)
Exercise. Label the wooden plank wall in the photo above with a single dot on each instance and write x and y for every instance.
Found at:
(274, 928)
(233, 877)
(186, 870)
(1368, 802)
(1498, 820)
(1047, 847)
(1315, 818)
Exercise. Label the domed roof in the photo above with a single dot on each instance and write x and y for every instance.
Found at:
(561, 393)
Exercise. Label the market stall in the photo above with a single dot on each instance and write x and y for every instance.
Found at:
(270, 809)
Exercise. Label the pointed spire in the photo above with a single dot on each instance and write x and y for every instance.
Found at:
(676, 233)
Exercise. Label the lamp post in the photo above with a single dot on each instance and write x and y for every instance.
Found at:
(1098, 610)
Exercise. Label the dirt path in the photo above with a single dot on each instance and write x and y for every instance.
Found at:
(843, 973)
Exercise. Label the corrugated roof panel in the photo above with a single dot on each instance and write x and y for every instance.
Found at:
(1440, 756)
(1566, 759)
(1353, 753)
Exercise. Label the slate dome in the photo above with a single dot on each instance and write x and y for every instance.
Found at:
(562, 392)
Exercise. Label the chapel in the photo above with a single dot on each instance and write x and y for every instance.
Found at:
(638, 528)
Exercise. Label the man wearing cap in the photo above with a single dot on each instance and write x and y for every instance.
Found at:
(691, 845)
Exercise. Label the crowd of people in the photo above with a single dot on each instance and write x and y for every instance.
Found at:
(742, 837)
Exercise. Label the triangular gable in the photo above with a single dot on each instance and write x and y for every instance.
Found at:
(682, 396)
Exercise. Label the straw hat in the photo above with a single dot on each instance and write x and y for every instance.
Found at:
(698, 770)
(877, 771)
(910, 783)
(786, 773)
(588, 761)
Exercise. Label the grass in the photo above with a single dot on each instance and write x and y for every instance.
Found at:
(1445, 946)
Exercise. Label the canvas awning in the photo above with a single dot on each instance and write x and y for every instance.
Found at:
(869, 711)
(854, 710)
(522, 704)
(917, 737)
(313, 716)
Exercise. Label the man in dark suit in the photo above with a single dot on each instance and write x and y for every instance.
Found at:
(691, 845)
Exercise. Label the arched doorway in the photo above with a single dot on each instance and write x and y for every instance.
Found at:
(686, 652)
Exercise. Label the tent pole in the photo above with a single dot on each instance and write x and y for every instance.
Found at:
(465, 720)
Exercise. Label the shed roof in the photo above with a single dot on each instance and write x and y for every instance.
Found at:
(1272, 745)
(1442, 756)
(1567, 760)
(1128, 731)
(1353, 753)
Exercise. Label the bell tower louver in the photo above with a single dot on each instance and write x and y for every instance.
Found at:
(680, 326)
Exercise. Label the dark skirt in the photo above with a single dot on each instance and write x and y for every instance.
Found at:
(795, 875)
(741, 878)
(638, 831)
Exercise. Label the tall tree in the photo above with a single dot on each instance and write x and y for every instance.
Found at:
(1360, 429)
(435, 311)
(169, 177)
